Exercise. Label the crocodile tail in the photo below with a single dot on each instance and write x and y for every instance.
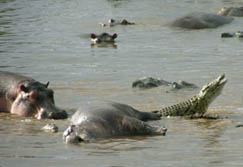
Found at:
(180, 109)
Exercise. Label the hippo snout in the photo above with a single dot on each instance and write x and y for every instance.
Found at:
(60, 114)
(69, 136)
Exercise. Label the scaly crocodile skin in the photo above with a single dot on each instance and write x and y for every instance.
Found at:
(199, 104)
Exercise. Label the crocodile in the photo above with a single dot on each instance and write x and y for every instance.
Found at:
(196, 106)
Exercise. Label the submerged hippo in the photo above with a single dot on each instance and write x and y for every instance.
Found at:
(149, 82)
(200, 20)
(108, 119)
(238, 34)
(113, 22)
(231, 11)
(24, 96)
(102, 38)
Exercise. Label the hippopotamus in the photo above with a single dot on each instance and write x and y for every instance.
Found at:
(201, 20)
(183, 84)
(149, 82)
(104, 119)
(238, 34)
(231, 11)
(113, 22)
(102, 38)
(25, 96)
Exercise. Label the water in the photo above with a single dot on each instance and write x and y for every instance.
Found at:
(48, 40)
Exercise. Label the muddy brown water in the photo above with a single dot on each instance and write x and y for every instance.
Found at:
(48, 40)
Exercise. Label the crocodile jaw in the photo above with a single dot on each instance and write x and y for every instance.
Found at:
(210, 91)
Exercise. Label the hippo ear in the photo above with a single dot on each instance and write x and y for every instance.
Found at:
(92, 36)
(114, 36)
(47, 84)
(22, 88)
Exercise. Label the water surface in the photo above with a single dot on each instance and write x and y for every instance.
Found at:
(48, 40)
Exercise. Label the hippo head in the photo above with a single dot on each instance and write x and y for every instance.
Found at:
(86, 131)
(36, 101)
(231, 11)
(224, 11)
(103, 38)
(70, 136)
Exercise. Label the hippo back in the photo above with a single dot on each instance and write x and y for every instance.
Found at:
(108, 110)
(105, 119)
(10, 81)
(200, 20)
(104, 110)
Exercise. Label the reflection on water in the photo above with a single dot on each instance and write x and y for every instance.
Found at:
(104, 45)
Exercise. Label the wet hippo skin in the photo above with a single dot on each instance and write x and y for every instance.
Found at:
(200, 20)
(25, 96)
(105, 119)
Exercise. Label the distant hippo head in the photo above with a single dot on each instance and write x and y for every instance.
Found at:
(103, 38)
(113, 22)
(231, 11)
(36, 101)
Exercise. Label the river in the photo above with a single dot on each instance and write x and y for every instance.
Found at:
(49, 41)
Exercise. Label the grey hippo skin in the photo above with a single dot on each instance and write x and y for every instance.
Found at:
(231, 11)
(113, 22)
(238, 34)
(109, 119)
(102, 38)
(149, 82)
(25, 96)
(200, 20)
